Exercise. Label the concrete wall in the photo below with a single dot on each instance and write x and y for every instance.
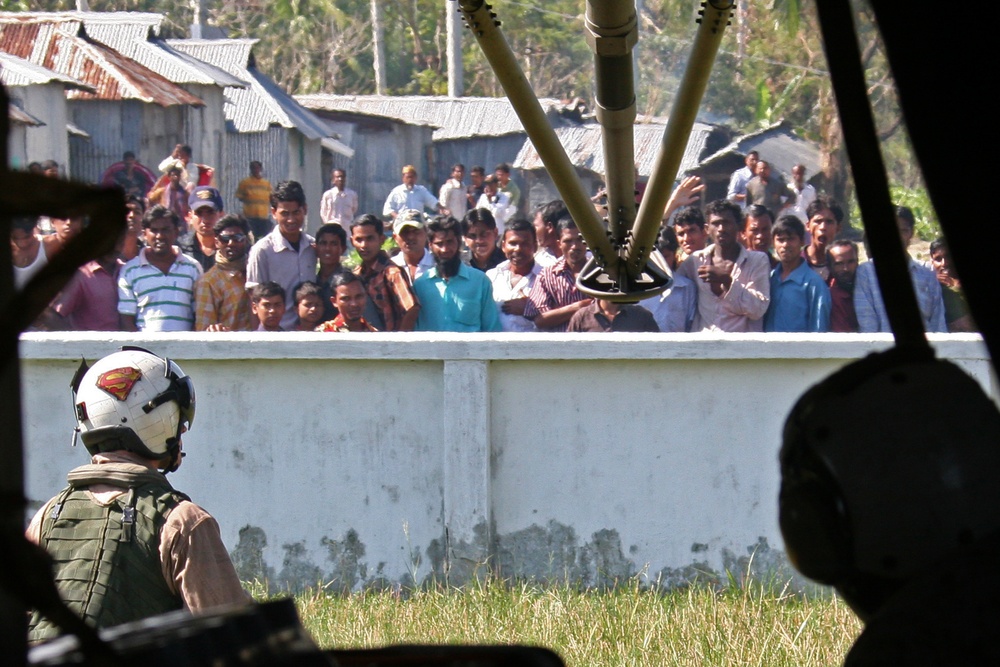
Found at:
(382, 460)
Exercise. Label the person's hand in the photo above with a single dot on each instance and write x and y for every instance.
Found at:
(717, 273)
(514, 306)
(217, 327)
(687, 193)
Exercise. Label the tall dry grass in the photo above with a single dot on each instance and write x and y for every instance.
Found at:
(749, 624)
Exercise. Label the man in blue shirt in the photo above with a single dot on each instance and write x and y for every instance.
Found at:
(453, 296)
(800, 299)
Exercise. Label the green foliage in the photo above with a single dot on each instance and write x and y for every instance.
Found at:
(927, 227)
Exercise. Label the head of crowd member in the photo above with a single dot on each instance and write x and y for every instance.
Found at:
(232, 237)
(519, 245)
(572, 245)
(135, 207)
(256, 168)
(722, 220)
(757, 225)
(799, 175)
(35, 168)
(842, 258)
(491, 184)
(308, 305)
(174, 176)
(184, 152)
(331, 242)
(268, 304)
(160, 227)
(205, 207)
(288, 208)
(444, 237)
(942, 264)
(65, 229)
(667, 244)
(128, 157)
(502, 172)
(763, 170)
(338, 179)
(367, 235)
(906, 222)
(689, 226)
(546, 221)
(476, 175)
(24, 243)
(410, 232)
(409, 176)
(789, 236)
(825, 216)
(479, 228)
(50, 168)
(349, 298)
(751, 161)
(458, 172)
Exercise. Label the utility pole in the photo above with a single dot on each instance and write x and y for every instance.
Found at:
(378, 47)
(454, 25)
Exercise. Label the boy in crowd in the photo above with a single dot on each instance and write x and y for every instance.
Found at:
(268, 300)
(349, 297)
(308, 306)
(800, 299)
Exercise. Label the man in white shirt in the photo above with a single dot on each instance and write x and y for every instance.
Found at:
(409, 195)
(339, 204)
(410, 232)
(513, 279)
(453, 196)
(805, 194)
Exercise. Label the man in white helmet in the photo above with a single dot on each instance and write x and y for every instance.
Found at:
(125, 545)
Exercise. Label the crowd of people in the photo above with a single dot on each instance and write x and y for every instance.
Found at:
(768, 257)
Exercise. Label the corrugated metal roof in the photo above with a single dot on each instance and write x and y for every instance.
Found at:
(63, 46)
(778, 145)
(22, 117)
(135, 34)
(454, 117)
(264, 103)
(585, 150)
(16, 71)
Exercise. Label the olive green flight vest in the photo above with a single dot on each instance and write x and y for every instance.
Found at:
(107, 559)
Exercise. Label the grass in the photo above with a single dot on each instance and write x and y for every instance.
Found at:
(749, 624)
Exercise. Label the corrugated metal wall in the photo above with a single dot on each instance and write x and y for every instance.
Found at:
(378, 159)
(270, 148)
(487, 152)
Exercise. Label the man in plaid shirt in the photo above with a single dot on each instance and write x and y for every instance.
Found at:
(392, 305)
(554, 297)
(221, 302)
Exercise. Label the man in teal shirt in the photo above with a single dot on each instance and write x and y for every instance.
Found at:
(453, 297)
(800, 299)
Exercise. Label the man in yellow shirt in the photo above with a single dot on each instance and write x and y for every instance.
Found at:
(255, 193)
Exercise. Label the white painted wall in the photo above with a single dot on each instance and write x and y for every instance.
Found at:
(358, 458)
(46, 102)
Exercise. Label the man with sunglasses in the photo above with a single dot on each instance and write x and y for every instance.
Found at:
(220, 297)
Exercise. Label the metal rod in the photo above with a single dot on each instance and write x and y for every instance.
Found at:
(878, 215)
(612, 34)
(486, 30)
(715, 16)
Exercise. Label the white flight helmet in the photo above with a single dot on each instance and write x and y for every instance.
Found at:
(133, 400)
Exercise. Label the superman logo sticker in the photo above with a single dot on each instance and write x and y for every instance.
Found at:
(119, 382)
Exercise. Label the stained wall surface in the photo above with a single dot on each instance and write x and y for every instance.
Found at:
(354, 460)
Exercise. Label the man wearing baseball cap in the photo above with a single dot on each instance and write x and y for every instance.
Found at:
(410, 233)
(205, 208)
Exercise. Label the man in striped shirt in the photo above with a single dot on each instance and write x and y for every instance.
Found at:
(554, 297)
(156, 289)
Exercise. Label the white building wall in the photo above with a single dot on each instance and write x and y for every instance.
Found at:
(49, 142)
(359, 460)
